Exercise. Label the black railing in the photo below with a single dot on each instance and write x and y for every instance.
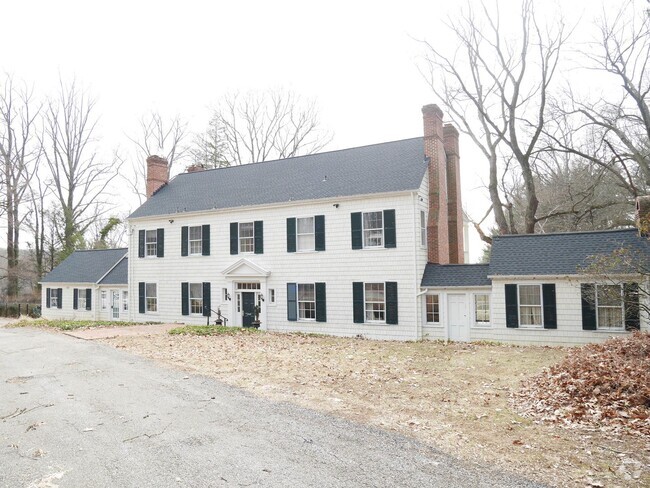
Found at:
(220, 320)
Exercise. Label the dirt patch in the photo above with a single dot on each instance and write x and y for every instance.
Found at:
(454, 397)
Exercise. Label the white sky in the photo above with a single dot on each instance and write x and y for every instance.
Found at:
(357, 59)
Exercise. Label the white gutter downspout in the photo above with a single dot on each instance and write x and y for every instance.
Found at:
(418, 318)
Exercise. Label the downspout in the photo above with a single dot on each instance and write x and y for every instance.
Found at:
(129, 278)
(418, 318)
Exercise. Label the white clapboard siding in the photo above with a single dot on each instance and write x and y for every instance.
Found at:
(338, 266)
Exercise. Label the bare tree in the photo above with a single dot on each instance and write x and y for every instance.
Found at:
(38, 221)
(19, 152)
(79, 177)
(160, 136)
(260, 126)
(209, 147)
(496, 90)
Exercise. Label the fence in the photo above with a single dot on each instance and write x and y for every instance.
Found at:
(18, 309)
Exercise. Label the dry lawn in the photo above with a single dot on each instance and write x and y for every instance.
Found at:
(455, 397)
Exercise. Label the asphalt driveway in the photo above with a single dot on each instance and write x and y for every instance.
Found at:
(75, 413)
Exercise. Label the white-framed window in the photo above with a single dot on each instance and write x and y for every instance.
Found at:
(609, 306)
(530, 305)
(433, 309)
(272, 295)
(196, 298)
(373, 229)
(248, 286)
(151, 243)
(375, 302)
(81, 299)
(195, 239)
(482, 308)
(238, 302)
(151, 297)
(54, 298)
(104, 299)
(305, 234)
(224, 295)
(246, 237)
(306, 301)
(125, 301)
(423, 228)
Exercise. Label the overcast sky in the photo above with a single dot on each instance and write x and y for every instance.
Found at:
(358, 60)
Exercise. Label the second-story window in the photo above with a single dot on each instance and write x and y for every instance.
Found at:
(151, 241)
(373, 229)
(196, 240)
(246, 237)
(305, 236)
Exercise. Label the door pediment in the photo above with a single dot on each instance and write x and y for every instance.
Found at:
(245, 268)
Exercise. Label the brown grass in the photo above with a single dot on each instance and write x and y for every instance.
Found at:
(452, 396)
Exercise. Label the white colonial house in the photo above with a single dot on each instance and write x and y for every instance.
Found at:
(365, 242)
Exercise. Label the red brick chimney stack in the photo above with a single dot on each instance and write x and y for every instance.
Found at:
(434, 151)
(454, 200)
(195, 168)
(643, 215)
(157, 174)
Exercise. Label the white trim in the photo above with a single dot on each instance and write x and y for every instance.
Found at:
(99, 281)
(383, 230)
(541, 306)
(259, 271)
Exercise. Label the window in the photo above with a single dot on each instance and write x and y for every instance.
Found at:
(433, 309)
(151, 297)
(375, 304)
(224, 294)
(54, 298)
(482, 308)
(373, 229)
(196, 298)
(305, 234)
(151, 243)
(306, 302)
(271, 295)
(423, 228)
(125, 301)
(104, 300)
(609, 304)
(81, 300)
(248, 286)
(530, 305)
(238, 302)
(196, 240)
(246, 237)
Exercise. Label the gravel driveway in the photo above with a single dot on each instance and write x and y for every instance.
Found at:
(75, 413)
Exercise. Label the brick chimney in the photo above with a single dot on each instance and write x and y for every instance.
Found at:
(157, 174)
(643, 215)
(434, 152)
(195, 168)
(454, 201)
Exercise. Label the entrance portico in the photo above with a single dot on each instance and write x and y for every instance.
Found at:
(247, 285)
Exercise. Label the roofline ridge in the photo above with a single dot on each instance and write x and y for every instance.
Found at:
(577, 232)
(110, 249)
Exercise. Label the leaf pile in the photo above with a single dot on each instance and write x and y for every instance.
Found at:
(602, 385)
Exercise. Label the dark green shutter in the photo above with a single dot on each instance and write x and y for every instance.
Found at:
(319, 231)
(321, 303)
(89, 298)
(389, 229)
(141, 244)
(357, 302)
(207, 300)
(141, 297)
(259, 237)
(357, 233)
(160, 243)
(632, 317)
(75, 298)
(512, 308)
(185, 298)
(59, 297)
(205, 240)
(391, 302)
(47, 298)
(185, 237)
(550, 308)
(292, 304)
(588, 298)
(234, 238)
(291, 235)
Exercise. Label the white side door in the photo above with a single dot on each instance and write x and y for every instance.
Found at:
(115, 305)
(457, 317)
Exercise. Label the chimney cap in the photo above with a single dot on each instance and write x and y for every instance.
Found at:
(450, 129)
(432, 109)
(155, 159)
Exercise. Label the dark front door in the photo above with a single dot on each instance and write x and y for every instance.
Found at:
(248, 308)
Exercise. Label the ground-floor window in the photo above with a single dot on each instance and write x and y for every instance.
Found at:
(375, 302)
(306, 301)
(530, 305)
(609, 306)
(104, 300)
(433, 309)
(482, 308)
(196, 298)
(54, 298)
(151, 297)
(125, 301)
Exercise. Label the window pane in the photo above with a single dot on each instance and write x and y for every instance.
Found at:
(306, 292)
(150, 289)
(372, 220)
(610, 317)
(195, 233)
(433, 308)
(530, 315)
(246, 229)
(306, 242)
(306, 225)
(530, 295)
(609, 295)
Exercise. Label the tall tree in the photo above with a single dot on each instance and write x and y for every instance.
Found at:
(79, 176)
(19, 152)
(495, 87)
(260, 126)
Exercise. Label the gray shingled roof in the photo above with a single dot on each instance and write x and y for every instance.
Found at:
(119, 275)
(387, 167)
(456, 275)
(559, 254)
(84, 266)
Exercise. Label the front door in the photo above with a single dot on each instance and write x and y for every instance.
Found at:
(115, 304)
(457, 317)
(248, 308)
